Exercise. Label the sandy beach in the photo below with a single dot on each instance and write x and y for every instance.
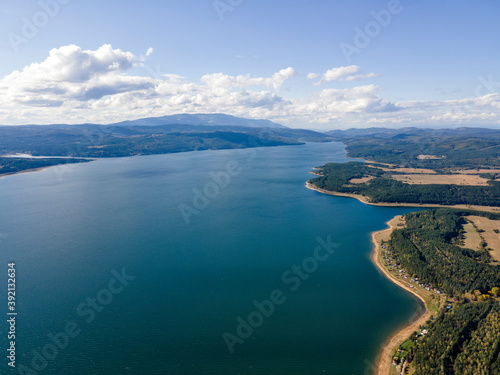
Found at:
(384, 359)
(27, 171)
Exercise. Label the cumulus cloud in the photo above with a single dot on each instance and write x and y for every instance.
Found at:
(224, 81)
(70, 73)
(74, 86)
(343, 73)
(71, 64)
(338, 102)
(360, 76)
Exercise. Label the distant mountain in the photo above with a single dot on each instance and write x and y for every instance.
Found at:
(216, 119)
(403, 133)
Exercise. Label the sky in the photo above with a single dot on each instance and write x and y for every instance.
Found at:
(315, 64)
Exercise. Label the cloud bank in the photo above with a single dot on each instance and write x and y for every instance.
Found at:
(73, 85)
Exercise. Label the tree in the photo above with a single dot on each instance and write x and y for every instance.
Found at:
(495, 291)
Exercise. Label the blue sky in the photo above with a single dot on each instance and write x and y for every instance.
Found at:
(418, 63)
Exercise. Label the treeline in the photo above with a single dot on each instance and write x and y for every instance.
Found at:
(114, 141)
(464, 148)
(427, 247)
(336, 177)
(464, 341)
(15, 165)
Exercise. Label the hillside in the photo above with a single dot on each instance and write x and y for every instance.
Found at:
(159, 135)
(215, 119)
(464, 337)
(110, 141)
(417, 166)
(424, 148)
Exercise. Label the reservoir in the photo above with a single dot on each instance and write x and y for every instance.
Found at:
(210, 262)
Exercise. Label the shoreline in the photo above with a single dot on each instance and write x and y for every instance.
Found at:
(39, 169)
(27, 171)
(384, 358)
(365, 200)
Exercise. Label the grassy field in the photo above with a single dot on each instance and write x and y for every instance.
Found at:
(489, 235)
(442, 179)
(395, 168)
(472, 237)
(361, 180)
(477, 171)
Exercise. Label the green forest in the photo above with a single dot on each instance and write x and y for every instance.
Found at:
(454, 148)
(93, 141)
(428, 247)
(464, 339)
(336, 176)
(16, 165)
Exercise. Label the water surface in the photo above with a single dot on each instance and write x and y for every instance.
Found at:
(69, 227)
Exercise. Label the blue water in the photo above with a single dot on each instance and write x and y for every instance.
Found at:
(67, 228)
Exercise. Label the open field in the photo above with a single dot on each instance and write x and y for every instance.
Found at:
(361, 180)
(472, 237)
(408, 170)
(394, 168)
(489, 235)
(476, 171)
(452, 179)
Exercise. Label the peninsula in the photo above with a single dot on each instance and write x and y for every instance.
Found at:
(447, 256)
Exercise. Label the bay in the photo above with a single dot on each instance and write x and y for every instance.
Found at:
(72, 229)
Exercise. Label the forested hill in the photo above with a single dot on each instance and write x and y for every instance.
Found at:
(428, 247)
(464, 339)
(116, 141)
(380, 186)
(447, 148)
(16, 165)
(147, 136)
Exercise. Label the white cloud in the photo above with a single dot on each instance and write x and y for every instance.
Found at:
(69, 73)
(71, 64)
(337, 73)
(343, 73)
(361, 76)
(75, 86)
(225, 82)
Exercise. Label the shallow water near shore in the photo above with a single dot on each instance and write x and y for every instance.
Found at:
(72, 229)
